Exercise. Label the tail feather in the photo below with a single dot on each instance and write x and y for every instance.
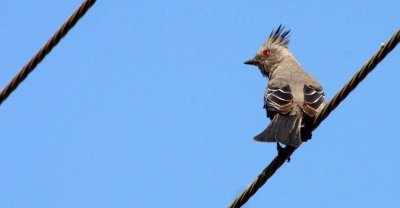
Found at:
(284, 129)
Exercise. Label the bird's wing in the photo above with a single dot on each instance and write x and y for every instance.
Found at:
(278, 100)
(314, 98)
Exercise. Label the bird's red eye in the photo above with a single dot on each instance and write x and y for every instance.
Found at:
(266, 53)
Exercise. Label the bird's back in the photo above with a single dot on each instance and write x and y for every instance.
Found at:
(308, 95)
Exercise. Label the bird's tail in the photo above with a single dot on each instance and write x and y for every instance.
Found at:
(284, 129)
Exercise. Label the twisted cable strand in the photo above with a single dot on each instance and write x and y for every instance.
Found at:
(329, 107)
(357, 78)
(41, 54)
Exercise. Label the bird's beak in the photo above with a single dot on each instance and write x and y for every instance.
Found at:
(251, 62)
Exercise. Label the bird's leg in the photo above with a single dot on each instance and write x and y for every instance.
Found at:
(280, 151)
(305, 134)
(305, 130)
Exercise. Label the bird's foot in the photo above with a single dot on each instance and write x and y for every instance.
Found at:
(281, 152)
(305, 134)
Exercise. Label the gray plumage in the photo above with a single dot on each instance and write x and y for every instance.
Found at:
(292, 96)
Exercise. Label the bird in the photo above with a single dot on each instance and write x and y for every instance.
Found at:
(292, 97)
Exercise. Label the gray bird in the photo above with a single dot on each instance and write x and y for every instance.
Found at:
(292, 98)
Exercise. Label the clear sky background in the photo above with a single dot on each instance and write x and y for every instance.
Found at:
(149, 104)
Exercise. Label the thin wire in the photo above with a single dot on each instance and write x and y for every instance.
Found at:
(329, 107)
(41, 54)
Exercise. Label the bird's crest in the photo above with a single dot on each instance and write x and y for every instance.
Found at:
(280, 36)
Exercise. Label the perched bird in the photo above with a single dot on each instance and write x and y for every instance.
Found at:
(292, 98)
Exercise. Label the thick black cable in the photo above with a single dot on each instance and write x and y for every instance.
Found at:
(41, 54)
(328, 108)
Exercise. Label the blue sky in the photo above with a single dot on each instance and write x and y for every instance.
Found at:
(149, 104)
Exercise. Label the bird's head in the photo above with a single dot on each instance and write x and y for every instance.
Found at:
(272, 52)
